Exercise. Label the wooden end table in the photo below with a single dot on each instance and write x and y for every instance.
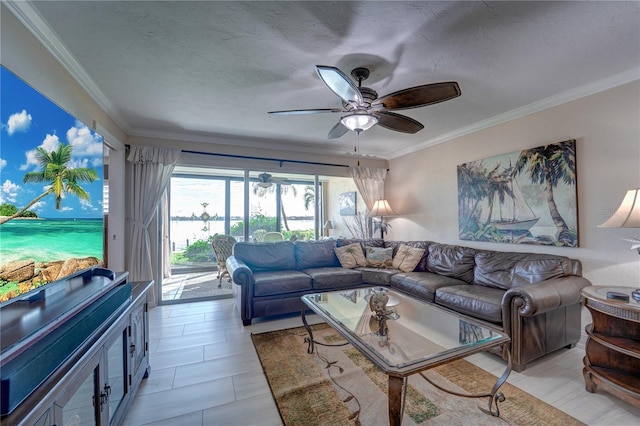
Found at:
(612, 360)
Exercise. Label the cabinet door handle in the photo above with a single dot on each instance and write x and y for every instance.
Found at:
(132, 348)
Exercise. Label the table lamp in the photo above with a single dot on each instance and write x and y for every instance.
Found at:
(382, 208)
(627, 216)
(327, 226)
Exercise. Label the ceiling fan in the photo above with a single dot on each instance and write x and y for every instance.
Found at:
(364, 109)
(265, 180)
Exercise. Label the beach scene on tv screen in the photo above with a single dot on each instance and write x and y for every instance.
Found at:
(51, 191)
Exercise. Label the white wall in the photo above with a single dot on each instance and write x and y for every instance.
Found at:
(422, 186)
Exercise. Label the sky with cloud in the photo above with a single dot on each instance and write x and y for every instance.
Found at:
(29, 120)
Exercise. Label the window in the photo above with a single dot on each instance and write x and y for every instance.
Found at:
(204, 202)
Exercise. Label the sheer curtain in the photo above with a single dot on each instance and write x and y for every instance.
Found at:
(370, 183)
(151, 170)
(165, 241)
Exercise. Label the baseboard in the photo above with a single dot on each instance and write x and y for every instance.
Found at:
(582, 342)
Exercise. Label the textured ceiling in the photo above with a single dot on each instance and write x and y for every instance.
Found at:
(201, 70)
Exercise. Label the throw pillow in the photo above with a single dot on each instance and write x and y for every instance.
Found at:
(351, 256)
(378, 257)
(407, 258)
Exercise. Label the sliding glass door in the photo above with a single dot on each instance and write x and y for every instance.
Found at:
(205, 202)
(202, 203)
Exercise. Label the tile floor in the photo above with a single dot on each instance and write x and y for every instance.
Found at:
(204, 371)
(195, 285)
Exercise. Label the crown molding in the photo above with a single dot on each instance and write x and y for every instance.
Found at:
(251, 142)
(33, 21)
(552, 101)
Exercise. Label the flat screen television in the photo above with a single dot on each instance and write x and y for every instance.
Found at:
(51, 191)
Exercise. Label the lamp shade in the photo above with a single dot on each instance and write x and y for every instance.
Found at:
(359, 122)
(328, 225)
(628, 213)
(382, 208)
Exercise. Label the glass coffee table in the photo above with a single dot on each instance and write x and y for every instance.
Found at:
(403, 336)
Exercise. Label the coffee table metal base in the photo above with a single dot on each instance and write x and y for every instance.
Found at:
(398, 384)
(494, 396)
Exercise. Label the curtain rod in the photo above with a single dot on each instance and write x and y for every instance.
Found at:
(247, 157)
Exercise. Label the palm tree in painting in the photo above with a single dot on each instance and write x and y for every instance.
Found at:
(548, 166)
(59, 177)
(472, 188)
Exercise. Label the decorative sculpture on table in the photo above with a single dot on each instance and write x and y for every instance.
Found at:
(379, 302)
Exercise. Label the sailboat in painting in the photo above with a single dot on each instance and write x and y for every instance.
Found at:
(511, 212)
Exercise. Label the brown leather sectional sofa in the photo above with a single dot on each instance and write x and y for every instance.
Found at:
(535, 298)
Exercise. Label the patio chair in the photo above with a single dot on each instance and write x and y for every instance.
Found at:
(258, 235)
(222, 246)
(273, 236)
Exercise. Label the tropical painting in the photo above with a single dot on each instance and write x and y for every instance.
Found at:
(526, 197)
(51, 191)
(347, 204)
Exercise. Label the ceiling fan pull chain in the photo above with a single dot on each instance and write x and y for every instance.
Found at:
(357, 147)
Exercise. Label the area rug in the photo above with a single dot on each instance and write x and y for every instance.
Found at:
(338, 386)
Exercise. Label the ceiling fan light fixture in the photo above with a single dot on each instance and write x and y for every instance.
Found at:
(359, 122)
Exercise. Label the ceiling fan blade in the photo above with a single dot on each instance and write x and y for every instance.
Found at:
(337, 131)
(304, 111)
(281, 181)
(340, 84)
(419, 96)
(397, 122)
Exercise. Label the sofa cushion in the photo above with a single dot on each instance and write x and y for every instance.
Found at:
(268, 283)
(377, 276)
(371, 242)
(315, 254)
(351, 255)
(451, 261)
(422, 265)
(266, 256)
(379, 257)
(506, 269)
(422, 284)
(473, 300)
(333, 277)
(407, 258)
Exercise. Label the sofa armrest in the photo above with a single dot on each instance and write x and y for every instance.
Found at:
(240, 273)
(542, 317)
(545, 296)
